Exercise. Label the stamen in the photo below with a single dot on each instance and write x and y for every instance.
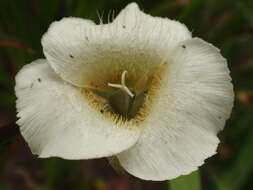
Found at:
(122, 86)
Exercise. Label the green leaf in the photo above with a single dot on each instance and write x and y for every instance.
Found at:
(235, 177)
(187, 182)
(191, 8)
(2, 187)
(57, 169)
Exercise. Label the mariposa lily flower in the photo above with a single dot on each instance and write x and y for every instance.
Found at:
(140, 89)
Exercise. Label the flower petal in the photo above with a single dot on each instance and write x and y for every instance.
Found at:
(194, 101)
(56, 120)
(160, 31)
(75, 47)
(64, 43)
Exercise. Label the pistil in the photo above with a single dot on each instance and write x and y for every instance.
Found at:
(122, 86)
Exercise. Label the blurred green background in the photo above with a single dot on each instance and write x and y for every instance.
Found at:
(228, 24)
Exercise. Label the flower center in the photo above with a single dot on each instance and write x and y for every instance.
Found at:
(125, 94)
(124, 101)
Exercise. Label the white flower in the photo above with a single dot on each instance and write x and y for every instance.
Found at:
(140, 89)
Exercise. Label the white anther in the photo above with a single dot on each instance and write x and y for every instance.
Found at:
(122, 86)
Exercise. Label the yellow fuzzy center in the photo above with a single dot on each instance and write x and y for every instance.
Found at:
(125, 95)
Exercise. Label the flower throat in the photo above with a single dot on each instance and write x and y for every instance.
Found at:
(124, 101)
(125, 96)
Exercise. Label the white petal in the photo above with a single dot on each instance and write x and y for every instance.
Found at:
(160, 31)
(195, 99)
(75, 48)
(56, 120)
